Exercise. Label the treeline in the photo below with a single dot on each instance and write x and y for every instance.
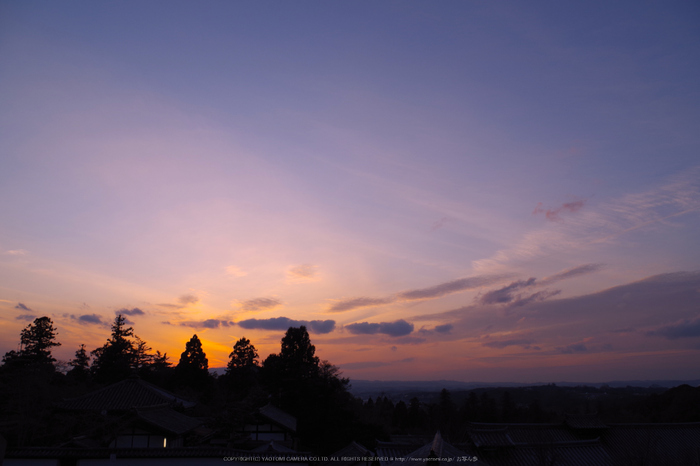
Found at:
(298, 382)
(294, 379)
(452, 413)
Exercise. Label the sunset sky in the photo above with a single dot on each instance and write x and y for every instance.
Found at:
(463, 190)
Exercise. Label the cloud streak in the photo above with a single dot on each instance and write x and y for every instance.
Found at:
(304, 272)
(571, 273)
(260, 304)
(604, 222)
(208, 323)
(553, 214)
(355, 303)
(525, 342)
(437, 291)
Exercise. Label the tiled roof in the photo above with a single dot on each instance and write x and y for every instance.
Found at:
(279, 417)
(654, 443)
(392, 450)
(580, 453)
(168, 419)
(398, 453)
(127, 394)
(273, 447)
(504, 434)
(584, 421)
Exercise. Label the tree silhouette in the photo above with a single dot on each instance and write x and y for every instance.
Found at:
(194, 357)
(243, 356)
(81, 364)
(193, 368)
(114, 361)
(298, 355)
(38, 339)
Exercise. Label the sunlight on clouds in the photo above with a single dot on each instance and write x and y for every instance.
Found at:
(303, 273)
(235, 271)
(16, 252)
(586, 227)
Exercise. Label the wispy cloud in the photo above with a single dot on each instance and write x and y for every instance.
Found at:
(16, 252)
(437, 291)
(534, 298)
(573, 272)
(454, 286)
(208, 323)
(574, 348)
(304, 272)
(553, 214)
(186, 299)
(604, 222)
(505, 294)
(354, 303)
(283, 323)
(525, 342)
(260, 304)
(395, 329)
(236, 271)
(27, 317)
(22, 307)
(440, 223)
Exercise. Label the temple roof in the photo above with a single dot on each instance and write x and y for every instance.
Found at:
(279, 417)
(121, 396)
(168, 419)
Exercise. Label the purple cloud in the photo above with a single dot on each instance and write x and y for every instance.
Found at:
(575, 348)
(505, 294)
(283, 323)
(553, 214)
(260, 304)
(130, 312)
(449, 287)
(571, 273)
(446, 328)
(686, 328)
(90, 319)
(398, 328)
(355, 303)
(28, 317)
(506, 343)
(208, 323)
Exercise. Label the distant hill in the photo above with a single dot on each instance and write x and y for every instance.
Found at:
(399, 389)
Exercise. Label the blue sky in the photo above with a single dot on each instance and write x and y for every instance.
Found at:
(392, 174)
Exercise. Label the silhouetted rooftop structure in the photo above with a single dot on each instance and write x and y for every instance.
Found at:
(584, 421)
(167, 419)
(122, 396)
(570, 443)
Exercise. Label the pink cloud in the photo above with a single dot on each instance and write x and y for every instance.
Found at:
(553, 214)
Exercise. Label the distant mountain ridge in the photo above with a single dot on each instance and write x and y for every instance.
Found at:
(365, 388)
(362, 387)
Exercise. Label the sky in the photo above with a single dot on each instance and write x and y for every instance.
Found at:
(458, 190)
